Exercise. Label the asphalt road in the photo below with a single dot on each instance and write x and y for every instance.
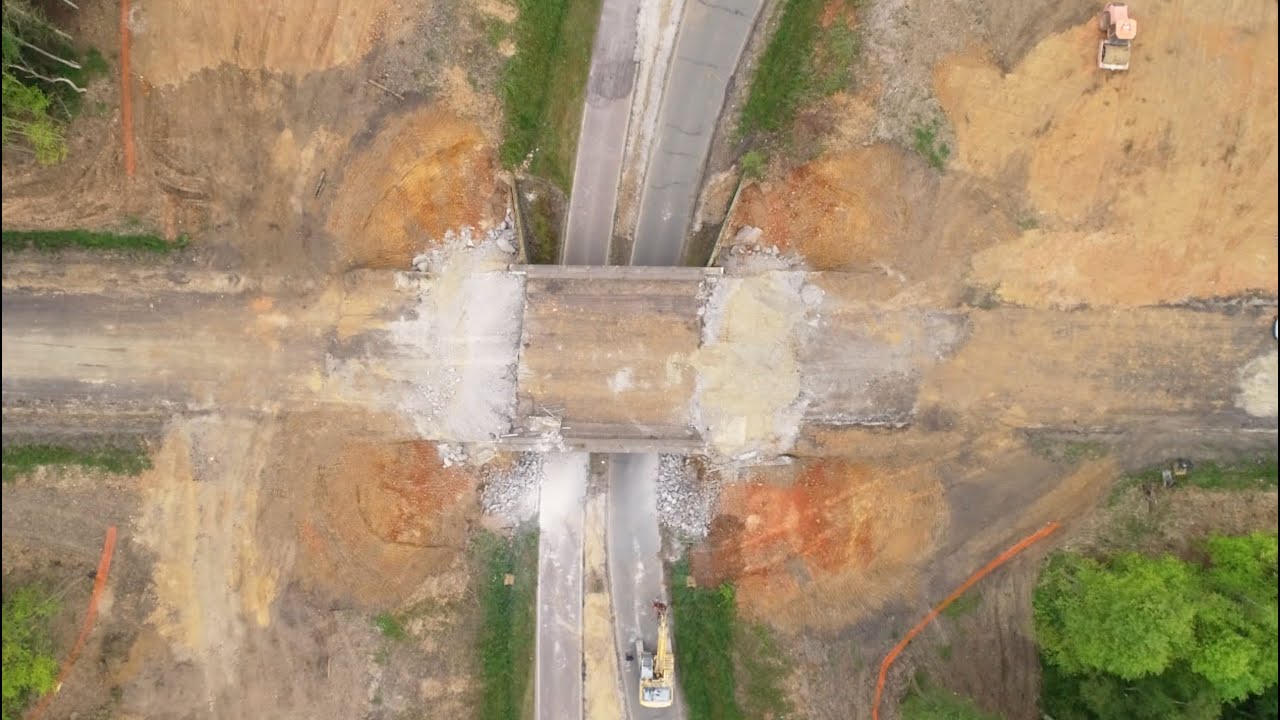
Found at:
(558, 681)
(604, 135)
(712, 36)
(635, 569)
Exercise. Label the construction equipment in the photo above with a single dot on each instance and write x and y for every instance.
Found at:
(1114, 50)
(657, 686)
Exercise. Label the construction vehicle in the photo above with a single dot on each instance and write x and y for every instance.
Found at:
(657, 676)
(1115, 48)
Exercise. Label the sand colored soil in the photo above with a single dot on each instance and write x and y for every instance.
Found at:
(1065, 185)
(174, 40)
(381, 517)
(1149, 186)
(880, 209)
(424, 173)
(799, 540)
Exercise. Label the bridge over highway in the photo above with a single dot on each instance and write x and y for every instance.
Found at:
(611, 359)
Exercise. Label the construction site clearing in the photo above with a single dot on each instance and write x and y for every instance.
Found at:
(1020, 256)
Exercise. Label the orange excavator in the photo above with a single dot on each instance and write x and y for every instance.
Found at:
(1114, 50)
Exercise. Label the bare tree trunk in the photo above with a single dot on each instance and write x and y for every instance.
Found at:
(45, 78)
(50, 55)
(20, 11)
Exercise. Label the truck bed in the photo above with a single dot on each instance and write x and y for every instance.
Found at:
(1114, 55)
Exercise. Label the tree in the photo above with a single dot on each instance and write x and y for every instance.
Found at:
(29, 667)
(1141, 637)
(33, 75)
(1131, 617)
(1236, 647)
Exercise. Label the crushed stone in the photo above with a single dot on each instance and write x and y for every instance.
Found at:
(686, 503)
(511, 493)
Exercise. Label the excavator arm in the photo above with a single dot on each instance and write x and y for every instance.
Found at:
(658, 690)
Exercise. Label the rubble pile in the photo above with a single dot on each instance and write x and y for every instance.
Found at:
(512, 492)
(686, 503)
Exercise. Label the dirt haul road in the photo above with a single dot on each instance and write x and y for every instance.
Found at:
(774, 353)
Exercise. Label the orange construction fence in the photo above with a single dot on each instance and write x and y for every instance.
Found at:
(126, 99)
(99, 584)
(999, 560)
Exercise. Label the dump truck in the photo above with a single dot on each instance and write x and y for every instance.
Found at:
(1120, 30)
(657, 676)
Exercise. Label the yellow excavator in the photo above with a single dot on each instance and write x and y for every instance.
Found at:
(657, 670)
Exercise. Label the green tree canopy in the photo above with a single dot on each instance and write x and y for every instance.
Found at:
(29, 667)
(33, 74)
(1130, 617)
(1141, 637)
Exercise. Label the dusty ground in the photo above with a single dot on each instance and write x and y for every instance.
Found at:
(1065, 186)
(274, 526)
(247, 176)
(251, 563)
(256, 553)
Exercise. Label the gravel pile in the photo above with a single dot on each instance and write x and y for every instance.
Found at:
(512, 493)
(685, 503)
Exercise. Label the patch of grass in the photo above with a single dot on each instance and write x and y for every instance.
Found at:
(53, 240)
(29, 666)
(929, 702)
(542, 236)
(963, 605)
(507, 630)
(753, 163)
(804, 61)
(495, 31)
(390, 627)
(1067, 451)
(780, 79)
(1028, 223)
(981, 297)
(383, 656)
(24, 459)
(728, 669)
(944, 652)
(544, 85)
(834, 57)
(705, 621)
(762, 667)
(1250, 474)
(927, 144)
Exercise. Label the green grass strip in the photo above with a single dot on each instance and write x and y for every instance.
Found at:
(929, 702)
(24, 459)
(1253, 474)
(51, 240)
(507, 630)
(780, 79)
(705, 623)
(544, 85)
